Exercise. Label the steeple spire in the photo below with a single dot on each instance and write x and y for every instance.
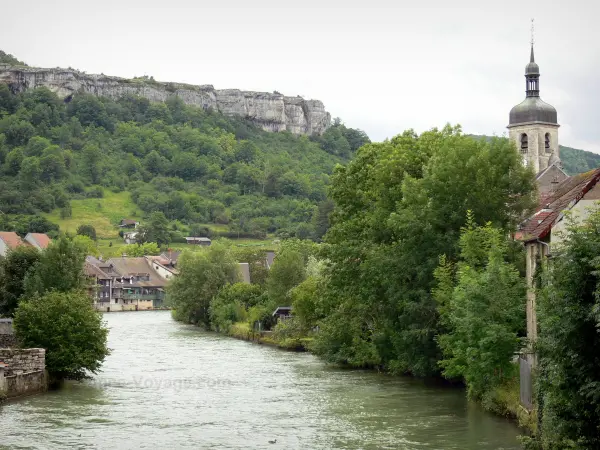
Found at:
(532, 72)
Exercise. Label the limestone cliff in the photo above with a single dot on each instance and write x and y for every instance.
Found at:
(272, 112)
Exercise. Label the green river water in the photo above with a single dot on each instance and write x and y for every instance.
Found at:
(168, 385)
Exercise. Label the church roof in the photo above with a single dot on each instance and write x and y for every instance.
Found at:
(533, 108)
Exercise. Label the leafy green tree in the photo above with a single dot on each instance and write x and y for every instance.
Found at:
(13, 270)
(320, 220)
(145, 249)
(201, 276)
(484, 312)
(68, 327)
(87, 230)
(91, 162)
(60, 268)
(231, 304)
(31, 172)
(87, 245)
(287, 271)
(156, 229)
(568, 388)
(16, 130)
(400, 205)
(7, 58)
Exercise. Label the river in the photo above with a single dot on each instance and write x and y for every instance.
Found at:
(167, 385)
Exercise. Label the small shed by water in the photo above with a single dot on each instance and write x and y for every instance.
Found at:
(282, 312)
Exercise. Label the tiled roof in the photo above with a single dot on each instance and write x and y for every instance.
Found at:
(137, 265)
(11, 239)
(93, 270)
(172, 255)
(564, 197)
(42, 240)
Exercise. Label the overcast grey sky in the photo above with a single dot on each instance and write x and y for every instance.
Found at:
(382, 66)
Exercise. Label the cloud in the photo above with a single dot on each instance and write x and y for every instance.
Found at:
(382, 66)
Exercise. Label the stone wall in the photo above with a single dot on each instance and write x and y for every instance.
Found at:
(270, 111)
(19, 361)
(6, 326)
(25, 384)
(8, 341)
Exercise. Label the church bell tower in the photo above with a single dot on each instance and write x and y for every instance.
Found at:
(533, 124)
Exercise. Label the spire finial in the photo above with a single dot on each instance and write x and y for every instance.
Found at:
(531, 59)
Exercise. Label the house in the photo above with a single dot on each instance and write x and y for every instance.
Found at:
(137, 285)
(38, 240)
(167, 259)
(126, 284)
(128, 223)
(282, 312)
(204, 241)
(544, 231)
(163, 270)
(9, 240)
(170, 257)
(130, 237)
(99, 282)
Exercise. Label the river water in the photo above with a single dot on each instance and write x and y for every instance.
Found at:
(168, 385)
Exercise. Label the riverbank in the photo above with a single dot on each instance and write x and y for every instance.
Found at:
(504, 401)
(241, 330)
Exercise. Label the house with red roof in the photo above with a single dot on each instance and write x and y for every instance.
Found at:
(545, 230)
(38, 240)
(9, 240)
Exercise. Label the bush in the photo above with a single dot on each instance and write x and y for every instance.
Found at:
(87, 230)
(68, 327)
(95, 192)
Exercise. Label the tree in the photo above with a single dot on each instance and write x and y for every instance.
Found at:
(87, 230)
(13, 270)
(146, 249)
(287, 272)
(201, 276)
(568, 388)
(399, 205)
(320, 220)
(483, 312)
(156, 229)
(231, 304)
(60, 268)
(68, 327)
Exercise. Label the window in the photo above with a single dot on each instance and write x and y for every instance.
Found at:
(524, 143)
(547, 142)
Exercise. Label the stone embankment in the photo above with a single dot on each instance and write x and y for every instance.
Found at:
(22, 370)
(270, 111)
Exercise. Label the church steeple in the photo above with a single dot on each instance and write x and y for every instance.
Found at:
(532, 76)
(533, 123)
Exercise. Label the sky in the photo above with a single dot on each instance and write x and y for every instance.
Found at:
(381, 66)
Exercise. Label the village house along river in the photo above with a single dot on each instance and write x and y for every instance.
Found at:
(168, 385)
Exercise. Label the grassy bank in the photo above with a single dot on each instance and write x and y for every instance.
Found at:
(242, 330)
(505, 401)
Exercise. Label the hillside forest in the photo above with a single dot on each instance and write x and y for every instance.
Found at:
(201, 170)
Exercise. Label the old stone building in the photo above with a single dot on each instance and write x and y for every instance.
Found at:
(533, 124)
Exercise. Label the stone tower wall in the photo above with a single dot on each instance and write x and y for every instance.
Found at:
(537, 156)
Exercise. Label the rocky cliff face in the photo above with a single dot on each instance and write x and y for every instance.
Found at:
(272, 112)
